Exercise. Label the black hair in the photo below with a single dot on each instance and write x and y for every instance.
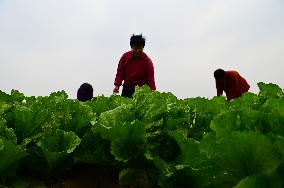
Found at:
(85, 92)
(137, 40)
(219, 74)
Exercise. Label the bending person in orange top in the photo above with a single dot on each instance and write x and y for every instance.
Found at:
(231, 82)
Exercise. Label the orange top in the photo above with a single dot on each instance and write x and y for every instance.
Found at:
(233, 84)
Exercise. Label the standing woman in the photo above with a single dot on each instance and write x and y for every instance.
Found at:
(135, 68)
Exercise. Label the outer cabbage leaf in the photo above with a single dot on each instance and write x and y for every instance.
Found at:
(81, 117)
(59, 141)
(230, 121)
(56, 146)
(10, 157)
(216, 105)
(200, 112)
(128, 140)
(102, 104)
(275, 106)
(117, 116)
(4, 107)
(27, 119)
(94, 149)
(17, 97)
(269, 90)
(242, 153)
(260, 181)
(58, 111)
(255, 101)
(188, 148)
(25, 122)
(7, 133)
(246, 101)
(191, 168)
(279, 143)
(152, 105)
(4, 97)
(99, 104)
(163, 146)
(225, 123)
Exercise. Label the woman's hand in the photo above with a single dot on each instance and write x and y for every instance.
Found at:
(116, 89)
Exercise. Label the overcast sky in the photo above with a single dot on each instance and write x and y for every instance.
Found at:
(54, 45)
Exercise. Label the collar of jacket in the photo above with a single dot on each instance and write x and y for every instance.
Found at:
(142, 56)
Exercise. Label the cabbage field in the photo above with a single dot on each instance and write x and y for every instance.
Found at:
(152, 140)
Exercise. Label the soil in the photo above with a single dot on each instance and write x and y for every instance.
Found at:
(88, 176)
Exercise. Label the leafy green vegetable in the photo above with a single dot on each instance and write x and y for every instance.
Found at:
(270, 90)
(10, 157)
(260, 181)
(128, 140)
(242, 153)
(54, 148)
(155, 139)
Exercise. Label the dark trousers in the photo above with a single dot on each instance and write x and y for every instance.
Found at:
(127, 92)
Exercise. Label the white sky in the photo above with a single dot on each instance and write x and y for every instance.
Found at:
(53, 45)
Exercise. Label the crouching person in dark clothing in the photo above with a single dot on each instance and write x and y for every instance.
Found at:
(85, 92)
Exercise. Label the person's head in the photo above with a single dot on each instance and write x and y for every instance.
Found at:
(85, 92)
(137, 43)
(219, 74)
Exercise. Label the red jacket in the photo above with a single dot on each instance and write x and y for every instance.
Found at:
(233, 84)
(135, 72)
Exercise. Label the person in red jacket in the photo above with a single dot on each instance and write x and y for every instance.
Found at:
(231, 82)
(135, 68)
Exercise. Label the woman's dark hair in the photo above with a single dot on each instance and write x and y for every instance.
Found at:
(85, 92)
(219, 74)
(137, 40)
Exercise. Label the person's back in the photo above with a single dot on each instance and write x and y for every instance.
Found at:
(231, 82)
(235, 85)
(85, 92)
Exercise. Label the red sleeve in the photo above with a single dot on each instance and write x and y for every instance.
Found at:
(230, 96)
(244, 85)
(120, 73)
(219, 87)
(150, 75)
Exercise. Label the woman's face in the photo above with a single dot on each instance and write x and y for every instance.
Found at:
(137, 50)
